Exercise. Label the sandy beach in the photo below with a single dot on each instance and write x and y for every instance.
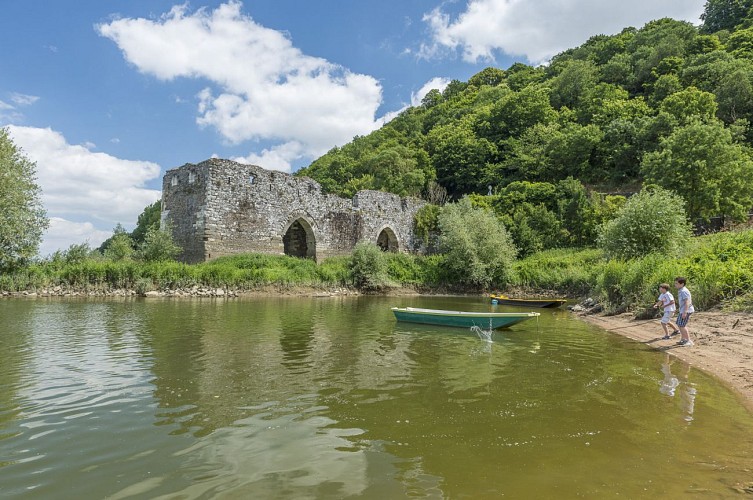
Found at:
(723, 344)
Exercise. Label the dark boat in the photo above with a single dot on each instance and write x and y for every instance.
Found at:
(504, 300)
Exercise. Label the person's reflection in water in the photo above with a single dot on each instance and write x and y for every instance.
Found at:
(687, 397)
(670, 382)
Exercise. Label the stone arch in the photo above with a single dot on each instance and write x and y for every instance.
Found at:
(387, 240)
(298, 239)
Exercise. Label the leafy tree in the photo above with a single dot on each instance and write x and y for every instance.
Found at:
(120, 245)
(478, 250)
(651, 221)
(740, 43)
(735, 96)
(158, 245)
(487, 77)
(535, 228)
(77, 253)
(707, 168)
(368, 267)
(724, 14)
(459, 157)
(148, 219)
(517, 112)
(569, 87)
(23, 219)
(690, 105)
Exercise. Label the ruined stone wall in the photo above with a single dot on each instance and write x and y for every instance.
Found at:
(220, 207)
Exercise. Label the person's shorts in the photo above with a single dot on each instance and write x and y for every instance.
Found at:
(667, 317)
(683, 322)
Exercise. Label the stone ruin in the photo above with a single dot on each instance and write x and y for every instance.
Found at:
(219, 207)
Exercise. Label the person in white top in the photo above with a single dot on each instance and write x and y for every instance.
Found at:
(685, 303)
(667, 302)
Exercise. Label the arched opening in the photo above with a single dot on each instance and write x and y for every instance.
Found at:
(387, 240)
(299, 240)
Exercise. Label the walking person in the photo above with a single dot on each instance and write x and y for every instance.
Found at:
(686, 309)
(667, 302)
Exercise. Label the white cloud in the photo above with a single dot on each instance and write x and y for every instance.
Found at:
(23, 99)
(539, 29)
(275, 158)
(64, 233)
(262, 87)
(4, 106)
(438, 83)
(78, 183)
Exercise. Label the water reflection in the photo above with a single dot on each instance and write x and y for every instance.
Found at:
(300, 398)
(671, 384)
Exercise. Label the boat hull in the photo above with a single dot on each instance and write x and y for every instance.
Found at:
(540, 304)
(462, 320)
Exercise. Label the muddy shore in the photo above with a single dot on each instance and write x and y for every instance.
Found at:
(723, 344)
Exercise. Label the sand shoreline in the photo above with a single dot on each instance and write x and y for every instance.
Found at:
(723, 344)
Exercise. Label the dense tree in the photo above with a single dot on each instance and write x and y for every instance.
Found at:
(703, 164)
(478, 249)
(606, 113)
(22, 217)
(148, 219)
(724, 14)
(651, 221)
(459, 157)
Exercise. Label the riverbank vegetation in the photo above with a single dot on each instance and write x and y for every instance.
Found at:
(582, 177)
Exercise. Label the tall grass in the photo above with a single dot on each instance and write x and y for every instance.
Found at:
(719, 269)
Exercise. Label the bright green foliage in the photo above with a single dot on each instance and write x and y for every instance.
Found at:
(120, 245)
(478, 251)
(22, 217)
(690, 105)
(158, 245)
(456, 152)
(573, 83)
(740, 44)
(369, 267)
(148, 219)
(725, 14)
(651, 221)
(427, 222)
(703, 164)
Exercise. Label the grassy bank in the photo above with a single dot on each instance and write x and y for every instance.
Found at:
(241, 272)
(718, 267)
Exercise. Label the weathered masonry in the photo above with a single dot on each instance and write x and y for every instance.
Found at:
(220, 207)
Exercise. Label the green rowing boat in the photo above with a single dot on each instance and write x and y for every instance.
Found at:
(460, 318)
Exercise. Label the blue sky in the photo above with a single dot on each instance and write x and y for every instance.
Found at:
(105, 96)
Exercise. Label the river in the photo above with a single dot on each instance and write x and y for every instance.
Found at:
(331, 398)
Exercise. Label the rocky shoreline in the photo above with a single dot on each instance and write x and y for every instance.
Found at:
(189, 292)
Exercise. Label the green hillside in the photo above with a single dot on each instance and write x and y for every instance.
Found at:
(669, 104)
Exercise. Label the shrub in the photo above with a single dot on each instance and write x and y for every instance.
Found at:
(652, 221)
(158, 245)
(368, 266)
(478, 250)
(120, 247)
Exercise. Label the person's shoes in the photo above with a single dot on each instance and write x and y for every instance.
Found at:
(685, 343)
(676, 332)
(666, 337)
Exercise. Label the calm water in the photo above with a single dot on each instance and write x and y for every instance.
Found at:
(330, 398)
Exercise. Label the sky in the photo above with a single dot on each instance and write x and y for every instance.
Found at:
(106, 95)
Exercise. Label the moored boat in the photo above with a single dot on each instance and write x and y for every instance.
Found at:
(460, 318)
(504, 300)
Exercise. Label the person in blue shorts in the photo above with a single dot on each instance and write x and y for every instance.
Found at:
(685, 310)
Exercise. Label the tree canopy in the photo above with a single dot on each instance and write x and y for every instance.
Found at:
(23, 219)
